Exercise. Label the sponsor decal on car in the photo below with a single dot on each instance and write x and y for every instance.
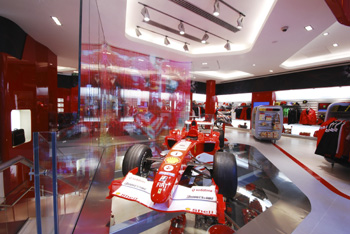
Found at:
(205, 212)
(202, 190)
(166, 173)
(159, 191)
(168, 168)
(176, 153)
(163, 178)
(182, 145)
(172, 160)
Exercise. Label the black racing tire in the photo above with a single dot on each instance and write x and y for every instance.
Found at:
(225, 173)
(218, 124)
(221, 139)
(136, 156)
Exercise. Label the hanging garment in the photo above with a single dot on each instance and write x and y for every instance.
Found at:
(292, 116)
(308, 116)
(333, 140)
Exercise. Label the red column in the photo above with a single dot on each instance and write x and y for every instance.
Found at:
(211, 98)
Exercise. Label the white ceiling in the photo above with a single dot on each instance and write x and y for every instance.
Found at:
(271, 49)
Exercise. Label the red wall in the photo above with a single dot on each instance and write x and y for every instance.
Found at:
(268, 96)
(37, 70)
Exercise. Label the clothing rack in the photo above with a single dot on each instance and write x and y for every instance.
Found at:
(340, 129)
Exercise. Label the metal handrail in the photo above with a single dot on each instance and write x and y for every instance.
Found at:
(30, 164)
(27, 191)
(18, 199)
(18, 159)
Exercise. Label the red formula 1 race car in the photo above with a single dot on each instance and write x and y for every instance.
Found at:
(174, 186)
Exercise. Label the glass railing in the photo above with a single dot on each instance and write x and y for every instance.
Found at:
(63, 174)
(15, 210)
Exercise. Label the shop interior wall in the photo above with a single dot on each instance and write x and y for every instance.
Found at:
(28, 81)
(325, 77)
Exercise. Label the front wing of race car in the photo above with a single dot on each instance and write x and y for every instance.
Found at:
(202, 200)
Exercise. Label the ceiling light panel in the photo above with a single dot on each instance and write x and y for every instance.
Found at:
(308, 28)
(55, 19)
(223, 75)
(241, 41)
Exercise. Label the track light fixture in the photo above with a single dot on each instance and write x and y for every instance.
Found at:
(227, 46)
(185, 47)
(138, 33)
(145, 14)
(181, 28)
(205, 38)
(181, 25)
(216, 8)
(166, 40)
(240, 21)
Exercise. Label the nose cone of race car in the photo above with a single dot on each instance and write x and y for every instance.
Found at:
(161, 189)
(159, 198)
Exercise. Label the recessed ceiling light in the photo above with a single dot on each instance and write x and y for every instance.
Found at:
(308, 28)
(325, 34)
(204, 63)
(253, 64)
(335, 45)
(271, 70)
(56, 20)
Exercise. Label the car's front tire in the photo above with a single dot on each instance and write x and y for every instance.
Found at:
(136, 156)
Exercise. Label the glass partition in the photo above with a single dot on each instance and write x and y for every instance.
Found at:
(126, 94)
(63, 177)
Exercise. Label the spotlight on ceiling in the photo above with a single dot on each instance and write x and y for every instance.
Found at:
(166, 41)
(216, 8)
(181, 28)
(227, 46)
(240, 21)
(205, 38)
(185, 47)
(145, 14)
(138, 33)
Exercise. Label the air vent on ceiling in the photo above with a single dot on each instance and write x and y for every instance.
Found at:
(205, 14)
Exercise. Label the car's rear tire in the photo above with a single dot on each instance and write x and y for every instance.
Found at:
(136, 156)
(218, 124)
(225, 173)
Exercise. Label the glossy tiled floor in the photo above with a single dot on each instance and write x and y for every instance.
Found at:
(328, 210)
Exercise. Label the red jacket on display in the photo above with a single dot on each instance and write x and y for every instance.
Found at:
(308, 116)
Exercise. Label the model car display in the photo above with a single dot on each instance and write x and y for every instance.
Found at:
(168, 183)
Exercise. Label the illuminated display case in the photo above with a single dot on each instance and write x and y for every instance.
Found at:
(267, 122)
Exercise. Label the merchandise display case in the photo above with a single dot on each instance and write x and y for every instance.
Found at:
(267, 122)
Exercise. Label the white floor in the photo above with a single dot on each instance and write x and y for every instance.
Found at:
(329, 211)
